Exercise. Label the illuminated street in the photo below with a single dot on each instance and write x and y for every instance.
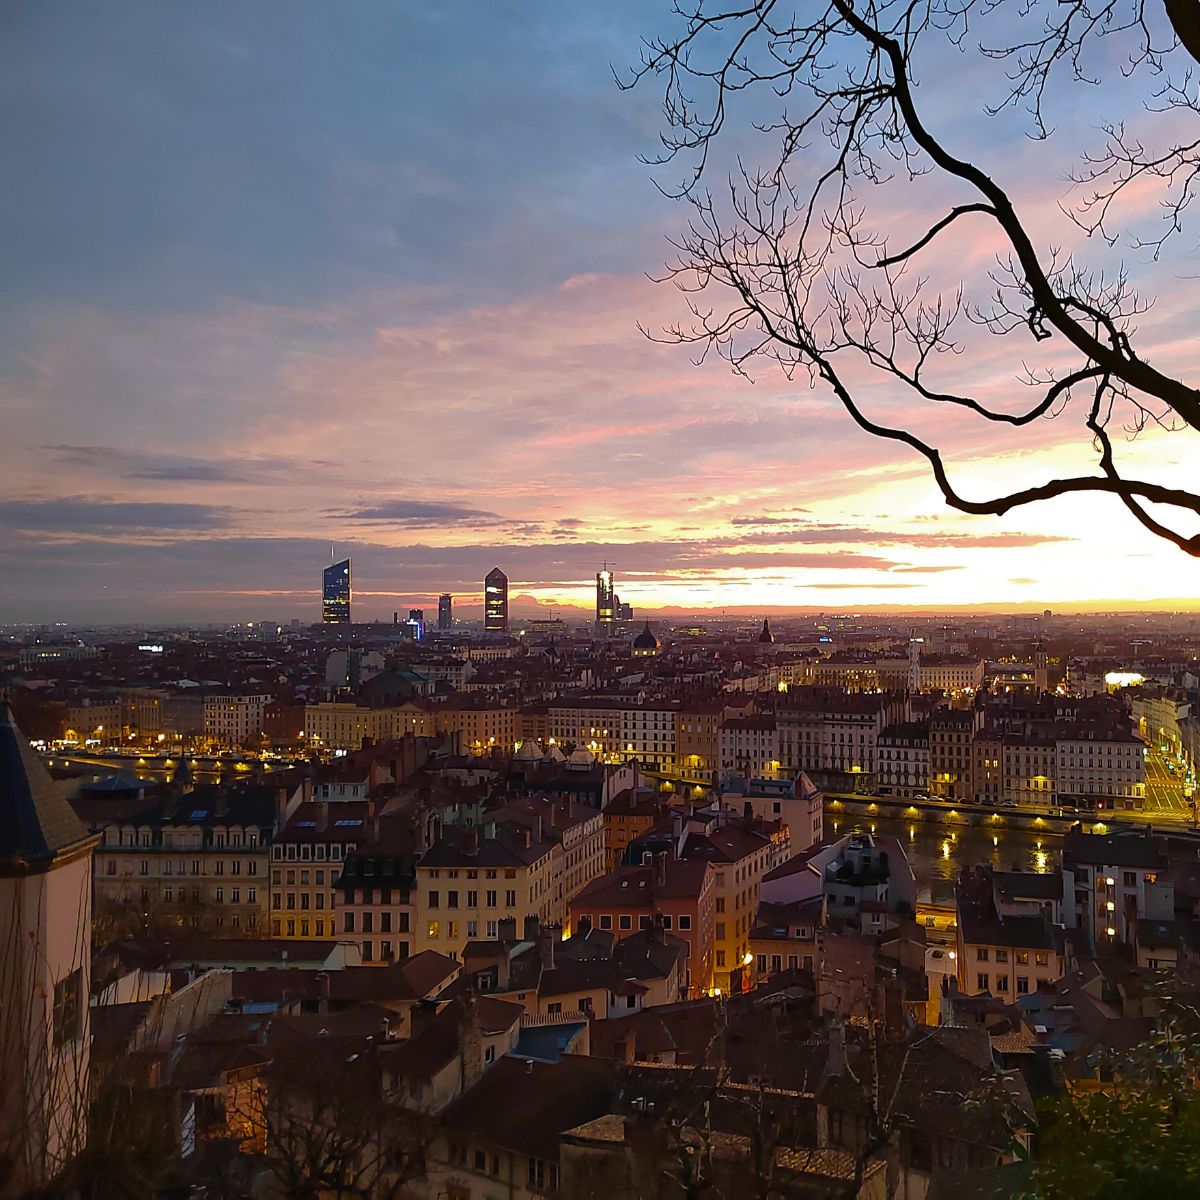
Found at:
(1165, 788)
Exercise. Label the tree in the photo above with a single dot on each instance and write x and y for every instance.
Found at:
(1134, 1133)
(791, 267)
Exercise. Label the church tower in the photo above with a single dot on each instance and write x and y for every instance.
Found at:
(45, 967)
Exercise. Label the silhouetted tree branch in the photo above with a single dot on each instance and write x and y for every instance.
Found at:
(786, 266)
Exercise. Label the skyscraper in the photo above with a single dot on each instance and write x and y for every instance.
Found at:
(495, 601)
(604, 597)
(335, 593)
(445, 612)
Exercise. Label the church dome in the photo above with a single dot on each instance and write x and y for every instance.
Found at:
(766, 638)
(646, 639)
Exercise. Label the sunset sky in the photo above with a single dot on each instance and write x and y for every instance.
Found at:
(276, 276)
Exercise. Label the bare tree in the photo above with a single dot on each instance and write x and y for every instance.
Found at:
(790, 266)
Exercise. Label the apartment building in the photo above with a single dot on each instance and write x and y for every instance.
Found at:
(482, 724)
(750, 746)
(232, 719)
(197, 860)
(307, 856)
(951, 734)
(616, 730)
(680, 895)
(821, 729)
(1105, 765)
(902, 758)
(471, 879)
(338, 725)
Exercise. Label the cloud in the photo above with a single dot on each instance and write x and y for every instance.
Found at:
(927, 570)
(88, 514)
(416, 513)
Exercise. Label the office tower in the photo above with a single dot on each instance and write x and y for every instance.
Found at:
(604, 597)
(495, 601)
(416, 623)
(335, 593)
(445, 612)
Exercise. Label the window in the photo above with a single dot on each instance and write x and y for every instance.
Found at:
(510, 899)
(368, 922)
(1023, 958)
(720, 958)
(1129, 879)
(435, 929)
(539, 1173)
(554, 1008)
(348, 927)
(982, 982)
(1041, 959)
(1022, 985)
(685, 922)
(434, 900)
(982, 954)
(605, 920)
(66, 1008)
(1002, 983)
(451, 899)
(1002, 956)
(626, 921)
(491, 899)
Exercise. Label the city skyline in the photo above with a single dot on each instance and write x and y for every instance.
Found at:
(320, 300)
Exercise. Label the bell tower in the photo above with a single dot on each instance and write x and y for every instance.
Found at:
(45, 966)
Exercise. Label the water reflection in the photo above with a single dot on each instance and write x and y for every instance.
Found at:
(937, 854)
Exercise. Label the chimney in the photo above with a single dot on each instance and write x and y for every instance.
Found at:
(748, 814)
(530, 929)
(836, 1063)
(506, 929)
(525, 838)
(547, 938)
(660, 873)
(420, 1016)
(470, 1043)
(471, 842)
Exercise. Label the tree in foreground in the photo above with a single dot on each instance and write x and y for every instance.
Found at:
(1133, 1134)
(793, 265)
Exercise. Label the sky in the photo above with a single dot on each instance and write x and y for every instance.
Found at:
(286, 279)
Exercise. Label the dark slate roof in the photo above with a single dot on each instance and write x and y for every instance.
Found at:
(36, 822)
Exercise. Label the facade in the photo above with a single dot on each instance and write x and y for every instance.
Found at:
(445, 612)
(495, 601)
(680, 895)
(232, 720)
(335, 593)
(1104, 765)
(45, 968)
(307, 856)
(200, 861)
(334, 725)
(469, 880)
(750, 746)
(902, 759)
(950, 754)
(615, 730)
(698, 739)
(1007, 954)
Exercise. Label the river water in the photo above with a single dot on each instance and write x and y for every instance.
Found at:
(937, 853)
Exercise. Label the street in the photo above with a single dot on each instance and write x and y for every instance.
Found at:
(1165, 799)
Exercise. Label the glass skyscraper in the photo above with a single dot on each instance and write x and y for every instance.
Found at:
(604, 596)
(495, 601)
(335, 593)
(445, 612)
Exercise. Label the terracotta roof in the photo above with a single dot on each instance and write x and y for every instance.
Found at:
(554, 1097)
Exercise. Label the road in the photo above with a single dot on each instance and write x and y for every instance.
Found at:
(1165, 788)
